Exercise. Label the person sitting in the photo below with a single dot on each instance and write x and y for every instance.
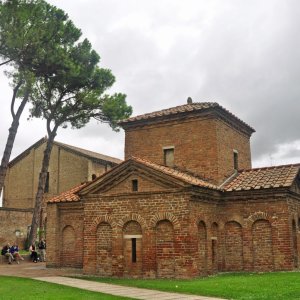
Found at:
(33, 253)
(14, 250)
(6, 252)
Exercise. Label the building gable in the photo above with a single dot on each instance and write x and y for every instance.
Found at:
(132, 177)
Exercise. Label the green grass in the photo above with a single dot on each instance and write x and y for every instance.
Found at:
(266, 286)
(24, 289)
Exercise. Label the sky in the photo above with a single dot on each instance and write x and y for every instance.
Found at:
(242, 54)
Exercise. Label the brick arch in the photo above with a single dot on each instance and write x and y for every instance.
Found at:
(263, 258)
(233, 218)
(164, 249)
(101, 219)
(65, 226)
(198, 219)
(68, 246)
(132, 248)
(233, 233)
(133, 217)
(202, 247)
(165, 216)
(215, 245)
(104, 249)
(259, 215)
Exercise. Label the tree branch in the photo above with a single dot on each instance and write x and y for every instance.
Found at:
(14, 98)
(6, 62)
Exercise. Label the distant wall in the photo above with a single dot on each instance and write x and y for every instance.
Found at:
(14, 225)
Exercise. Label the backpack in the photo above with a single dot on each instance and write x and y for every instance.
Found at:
(3, 251)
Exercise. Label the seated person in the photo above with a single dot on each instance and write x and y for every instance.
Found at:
(14, 250)
(6, 252)
(33, 253)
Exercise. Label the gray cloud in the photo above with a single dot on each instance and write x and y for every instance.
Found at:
(242, 54)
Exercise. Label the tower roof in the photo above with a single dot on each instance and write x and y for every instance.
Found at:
(186, 110)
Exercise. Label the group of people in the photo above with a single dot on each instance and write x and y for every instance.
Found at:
(12, 252)
(42, 250)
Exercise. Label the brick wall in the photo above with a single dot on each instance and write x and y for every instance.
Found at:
(250, 234)
(143, 184)
(201, 145)
(185, 234)
(65, 236)
(230, 139)
(144, 212)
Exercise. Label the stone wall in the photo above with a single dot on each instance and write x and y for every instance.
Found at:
(14, 226)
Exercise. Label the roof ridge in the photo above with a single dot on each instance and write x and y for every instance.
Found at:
(270, 167)
(212, 104)
(188, 107)
(82, 150)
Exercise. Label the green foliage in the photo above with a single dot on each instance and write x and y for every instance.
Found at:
(34, 34)
(114, 109)
(24, 288)
(75, 94)
(43, 45)
(242, 286)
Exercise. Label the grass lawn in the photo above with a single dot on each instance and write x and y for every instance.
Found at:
(24, 288)
(271, 286)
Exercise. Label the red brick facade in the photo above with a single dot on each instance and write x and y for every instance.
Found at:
(142, 219)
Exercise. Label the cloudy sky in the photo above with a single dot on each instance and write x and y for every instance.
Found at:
(242, 54)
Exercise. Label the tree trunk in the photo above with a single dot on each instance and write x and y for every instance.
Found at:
(35, 224)
(11, 139)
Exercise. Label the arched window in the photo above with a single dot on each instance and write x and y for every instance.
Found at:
(132, 246)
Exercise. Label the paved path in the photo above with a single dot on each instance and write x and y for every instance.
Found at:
(118, 290)
(39, 271)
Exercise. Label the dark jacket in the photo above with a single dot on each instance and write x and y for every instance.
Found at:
(42, 245)
(5, 250)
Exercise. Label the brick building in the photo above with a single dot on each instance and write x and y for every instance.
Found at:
(68, 166)
(184, 203)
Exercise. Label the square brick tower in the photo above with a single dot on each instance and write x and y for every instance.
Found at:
(201, 138)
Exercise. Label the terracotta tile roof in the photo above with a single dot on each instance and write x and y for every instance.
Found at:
(70, 195)
(176, 174)
(264, 178)
(253, 179)
(191, 107)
